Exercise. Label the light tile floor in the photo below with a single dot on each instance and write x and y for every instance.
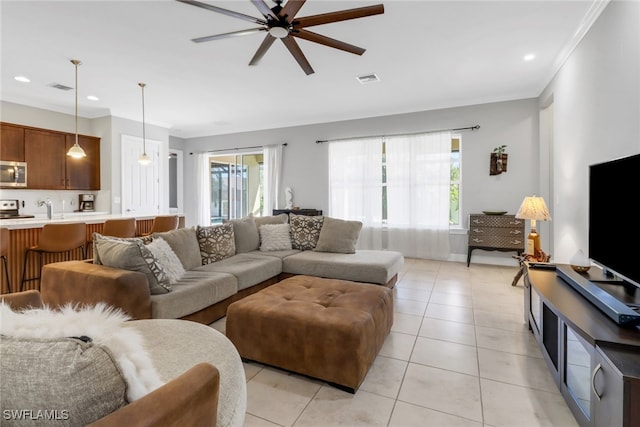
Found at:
(459, 354)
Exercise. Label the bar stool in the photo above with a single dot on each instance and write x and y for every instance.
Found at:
(4, 251)
(56, 238)
(121, 227)
(163, 223)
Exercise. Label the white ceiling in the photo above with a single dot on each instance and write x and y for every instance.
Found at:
(428, 55)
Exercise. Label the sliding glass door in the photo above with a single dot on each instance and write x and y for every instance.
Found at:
(236, 186)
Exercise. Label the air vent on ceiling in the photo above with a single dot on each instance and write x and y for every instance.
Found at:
(60, 86)
(369, 78)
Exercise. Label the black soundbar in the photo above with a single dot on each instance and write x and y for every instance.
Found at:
(618, 311)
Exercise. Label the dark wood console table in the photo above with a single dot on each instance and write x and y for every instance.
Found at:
(594, 362)
(308, 212)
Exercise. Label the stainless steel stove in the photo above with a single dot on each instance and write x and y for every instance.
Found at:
(10, 209)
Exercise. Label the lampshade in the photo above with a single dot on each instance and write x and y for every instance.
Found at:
(76, 151)
(533, 207)
(144, 160)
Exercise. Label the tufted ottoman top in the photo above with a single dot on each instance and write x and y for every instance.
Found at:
(325, 328)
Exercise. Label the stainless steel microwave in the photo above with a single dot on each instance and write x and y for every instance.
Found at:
(13, 174)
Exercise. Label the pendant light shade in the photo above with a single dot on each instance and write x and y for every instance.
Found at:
(76, 151)
(144, 160)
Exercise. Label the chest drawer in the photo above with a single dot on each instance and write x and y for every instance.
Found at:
(495, 221)
(495, 232)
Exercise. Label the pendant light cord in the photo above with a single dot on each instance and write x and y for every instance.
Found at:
(76, 63)
(144, 139)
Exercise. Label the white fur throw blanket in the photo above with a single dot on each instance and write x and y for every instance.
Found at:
(102, 324)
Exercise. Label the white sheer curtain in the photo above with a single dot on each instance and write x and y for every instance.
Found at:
(203, 189)
(418, 185)
(272, 177)
(355, 190)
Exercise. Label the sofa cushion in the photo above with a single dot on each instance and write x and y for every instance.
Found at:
(193, 292)
(134, 256)
(59, 375)
(338, 235)
(245, 233)
(305, 231)
(248, 268)
(271, 219)
(274, 237)
(184, 243)
(167, 259)
(363, 266)
(216, 242)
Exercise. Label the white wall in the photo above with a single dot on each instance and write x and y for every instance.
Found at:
(596, 103)
(305, 163)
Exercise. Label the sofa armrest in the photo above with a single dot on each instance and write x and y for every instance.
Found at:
(189, 400)
(79, 282)
(22, 300)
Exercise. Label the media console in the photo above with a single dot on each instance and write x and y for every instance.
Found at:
(594, 361)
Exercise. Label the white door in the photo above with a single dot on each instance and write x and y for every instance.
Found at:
(140, 184)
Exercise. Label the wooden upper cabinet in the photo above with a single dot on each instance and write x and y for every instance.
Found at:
(45, 154)
(84, 173)
(11, 142)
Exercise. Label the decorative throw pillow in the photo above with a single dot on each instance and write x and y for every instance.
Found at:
(305, 231)
(217, 242)
(74, 359)
(275, 237)
(245, 233)
(167, 258)
(134, 256)
(97, 236)
(339, 236)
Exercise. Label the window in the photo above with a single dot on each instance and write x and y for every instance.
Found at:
(454, 197)
(236, 186)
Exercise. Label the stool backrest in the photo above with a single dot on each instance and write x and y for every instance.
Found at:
(125, 227)
(4, 241)
(164, 223)
(62, 237)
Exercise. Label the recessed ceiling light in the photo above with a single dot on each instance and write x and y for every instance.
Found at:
(369, 78)
(529, 57)
(93, 98)
(22, 79)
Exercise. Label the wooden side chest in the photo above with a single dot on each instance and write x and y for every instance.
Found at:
(495, 233)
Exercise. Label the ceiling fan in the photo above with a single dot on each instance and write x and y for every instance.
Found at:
(280, 23)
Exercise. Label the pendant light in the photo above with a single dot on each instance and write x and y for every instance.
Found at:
(144, 160)
(76, 151)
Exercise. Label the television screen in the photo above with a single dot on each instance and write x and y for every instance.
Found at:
(614, 236)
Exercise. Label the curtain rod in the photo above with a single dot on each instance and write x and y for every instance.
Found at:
(476, 127)
(236, 148)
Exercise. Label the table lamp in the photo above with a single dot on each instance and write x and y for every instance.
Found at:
(535, 209)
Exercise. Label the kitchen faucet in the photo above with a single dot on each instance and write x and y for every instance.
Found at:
(48, 204)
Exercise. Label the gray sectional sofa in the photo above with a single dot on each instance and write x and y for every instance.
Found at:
(208, 268)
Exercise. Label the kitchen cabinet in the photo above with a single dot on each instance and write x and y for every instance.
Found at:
(594, 362)
(45, 152)
(12, 146)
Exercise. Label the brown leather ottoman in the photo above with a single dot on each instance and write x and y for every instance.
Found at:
(324, 328)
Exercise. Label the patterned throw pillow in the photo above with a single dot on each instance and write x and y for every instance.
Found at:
(275, 237)
(217, 242)
(134, 256)
(167, 258)
(305, 231)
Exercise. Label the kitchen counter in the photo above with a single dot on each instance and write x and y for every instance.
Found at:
(25, 232)
(87, 217)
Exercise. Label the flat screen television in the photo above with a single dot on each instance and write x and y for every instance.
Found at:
(614, 236)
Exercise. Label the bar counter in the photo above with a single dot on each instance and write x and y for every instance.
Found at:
(25, 232)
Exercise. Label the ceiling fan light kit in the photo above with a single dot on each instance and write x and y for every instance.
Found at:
(280, 23)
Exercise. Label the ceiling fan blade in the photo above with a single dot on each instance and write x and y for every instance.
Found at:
(264, 9)
(295, 50)
(343, 15)
(291, 9)
(328, 41)
(224, 11)
(228, 35)
(264, 46)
